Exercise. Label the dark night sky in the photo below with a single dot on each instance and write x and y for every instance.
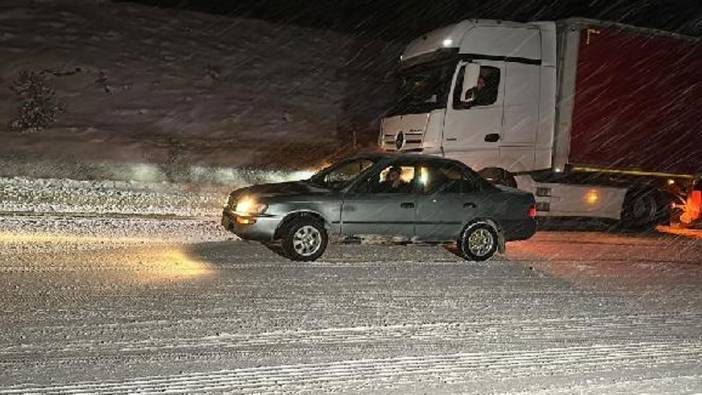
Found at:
(405, 19)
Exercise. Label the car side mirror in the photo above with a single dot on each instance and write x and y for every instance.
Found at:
(471, 74)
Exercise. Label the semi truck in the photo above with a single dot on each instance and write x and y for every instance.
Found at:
(596, 119)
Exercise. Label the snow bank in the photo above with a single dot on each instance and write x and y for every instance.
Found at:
(138, 81)
(21, 195)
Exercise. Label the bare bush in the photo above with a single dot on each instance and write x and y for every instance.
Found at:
(38, 107)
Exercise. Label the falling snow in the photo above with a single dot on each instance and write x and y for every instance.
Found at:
(117, 277)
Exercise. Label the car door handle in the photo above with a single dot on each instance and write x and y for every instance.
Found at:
(407, 205)
(469, 205)
(492, 137)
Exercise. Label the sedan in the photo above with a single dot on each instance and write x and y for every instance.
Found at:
(410, 198)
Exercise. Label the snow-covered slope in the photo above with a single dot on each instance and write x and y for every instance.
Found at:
(232, 91)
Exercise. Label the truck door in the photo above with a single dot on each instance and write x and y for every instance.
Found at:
(521, 115)
(472, 131)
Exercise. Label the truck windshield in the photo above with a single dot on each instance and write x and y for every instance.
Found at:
(423, 88)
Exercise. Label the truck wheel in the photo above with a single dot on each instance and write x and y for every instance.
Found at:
(479, 242)
(643, 209)
(304, 239)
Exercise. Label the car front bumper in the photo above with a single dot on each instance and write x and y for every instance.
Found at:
(260, 228)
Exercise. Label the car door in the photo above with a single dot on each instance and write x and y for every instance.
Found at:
(449, 197)
(374, 208)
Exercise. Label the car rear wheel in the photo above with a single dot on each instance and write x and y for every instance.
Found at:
(479, 242)
(304, 239)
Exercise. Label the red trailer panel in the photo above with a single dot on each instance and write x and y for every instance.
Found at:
(638, 101)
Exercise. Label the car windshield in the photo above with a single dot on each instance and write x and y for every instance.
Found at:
(340, 175)
(423, 88)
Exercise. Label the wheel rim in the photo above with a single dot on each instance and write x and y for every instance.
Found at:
(307, 240)
(480, 242)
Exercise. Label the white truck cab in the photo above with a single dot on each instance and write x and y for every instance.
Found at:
(499, 96)
(481, 92)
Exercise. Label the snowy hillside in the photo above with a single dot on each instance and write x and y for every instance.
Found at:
(226, 91)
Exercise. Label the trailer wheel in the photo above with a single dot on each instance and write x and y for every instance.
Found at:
(644, 209)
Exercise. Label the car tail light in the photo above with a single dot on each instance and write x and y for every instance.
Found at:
(532, 210)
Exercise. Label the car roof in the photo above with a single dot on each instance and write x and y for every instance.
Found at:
(389, 157)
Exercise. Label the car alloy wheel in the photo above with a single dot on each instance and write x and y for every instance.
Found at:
(304, 239)
(307, 240)
(479, 242)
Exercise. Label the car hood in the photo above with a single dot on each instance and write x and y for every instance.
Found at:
(281, 189)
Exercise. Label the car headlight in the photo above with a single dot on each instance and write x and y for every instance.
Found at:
(249, 206)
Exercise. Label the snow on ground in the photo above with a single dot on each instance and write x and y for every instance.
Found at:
(110, 305)
(134, 287)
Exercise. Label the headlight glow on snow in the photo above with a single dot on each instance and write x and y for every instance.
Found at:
(158, 259)
(249, 206)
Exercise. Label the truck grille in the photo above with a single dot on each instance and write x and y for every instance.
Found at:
(412, 141)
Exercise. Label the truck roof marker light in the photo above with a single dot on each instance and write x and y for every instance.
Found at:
(447, 42)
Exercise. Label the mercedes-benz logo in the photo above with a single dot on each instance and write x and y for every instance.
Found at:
(400, 140)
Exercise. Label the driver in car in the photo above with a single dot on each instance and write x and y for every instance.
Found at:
(393, 182)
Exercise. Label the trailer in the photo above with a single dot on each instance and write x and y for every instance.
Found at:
(596, 119)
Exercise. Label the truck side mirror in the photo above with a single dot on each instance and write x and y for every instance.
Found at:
(471, 74)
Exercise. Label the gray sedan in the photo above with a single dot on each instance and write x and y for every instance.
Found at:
(410, 198)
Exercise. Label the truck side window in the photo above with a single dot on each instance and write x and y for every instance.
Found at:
(485, 93)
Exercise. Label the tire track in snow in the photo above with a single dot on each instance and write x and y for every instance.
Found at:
(544, 332)
(389, 372)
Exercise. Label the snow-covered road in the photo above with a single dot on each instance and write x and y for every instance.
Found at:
(91, 304)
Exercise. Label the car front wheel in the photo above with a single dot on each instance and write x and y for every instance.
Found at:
(304, 239)
(479, 242)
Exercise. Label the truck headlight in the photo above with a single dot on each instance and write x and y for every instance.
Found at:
(249, 206)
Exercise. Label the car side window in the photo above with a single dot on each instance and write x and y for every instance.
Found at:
(484, 94)
(446, 179)
(391, 179)
(347, 172)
